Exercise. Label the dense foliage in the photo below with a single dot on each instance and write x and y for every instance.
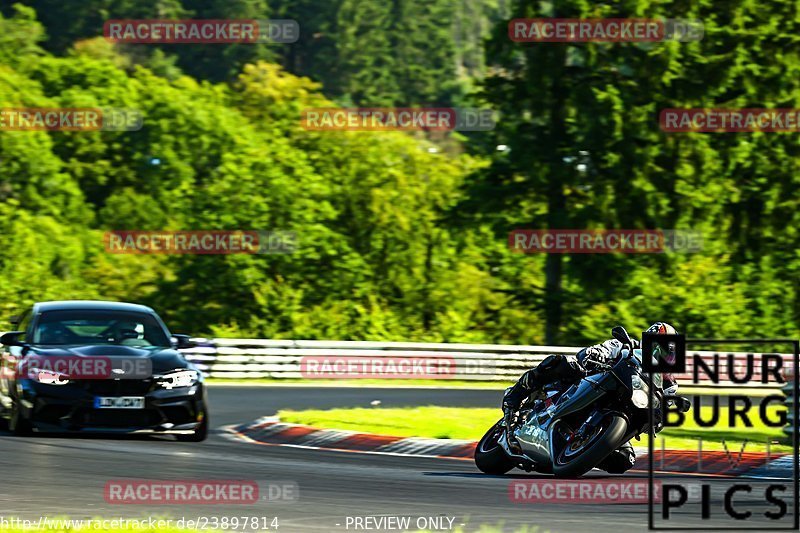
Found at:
(403, 236)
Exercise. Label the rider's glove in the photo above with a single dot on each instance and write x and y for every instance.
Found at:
(682, 403)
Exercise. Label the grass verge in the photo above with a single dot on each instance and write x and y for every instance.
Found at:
(471, 423)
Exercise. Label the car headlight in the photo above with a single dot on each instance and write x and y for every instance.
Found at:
(47, 377)
(179, 378)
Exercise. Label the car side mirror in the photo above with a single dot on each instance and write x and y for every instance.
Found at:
(12, 338)
(181, 341)
(621, 334)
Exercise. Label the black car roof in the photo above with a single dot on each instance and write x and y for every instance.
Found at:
(90, 304)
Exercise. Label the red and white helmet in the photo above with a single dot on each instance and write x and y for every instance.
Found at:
(662, 328)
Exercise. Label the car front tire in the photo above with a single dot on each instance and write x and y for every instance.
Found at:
(17, 423)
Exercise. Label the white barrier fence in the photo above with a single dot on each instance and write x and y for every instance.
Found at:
(287, 359)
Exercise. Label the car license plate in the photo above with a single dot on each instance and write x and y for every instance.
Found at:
(119, 402)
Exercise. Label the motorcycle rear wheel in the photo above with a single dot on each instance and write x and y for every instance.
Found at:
(490, 458)
(610, 436)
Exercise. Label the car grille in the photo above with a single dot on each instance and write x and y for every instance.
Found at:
(117, 387)
(117, 418)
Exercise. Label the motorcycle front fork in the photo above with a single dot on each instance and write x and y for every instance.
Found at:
(522, 461)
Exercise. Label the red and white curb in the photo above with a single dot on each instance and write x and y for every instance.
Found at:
(271, 431)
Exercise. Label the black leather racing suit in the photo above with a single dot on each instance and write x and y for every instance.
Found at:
(570, 369)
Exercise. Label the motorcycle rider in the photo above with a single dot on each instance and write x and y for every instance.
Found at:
(570, 369)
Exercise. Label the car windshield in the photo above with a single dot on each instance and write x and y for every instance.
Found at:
(99, 327)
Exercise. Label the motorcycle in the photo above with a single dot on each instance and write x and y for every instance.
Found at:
(568, 431)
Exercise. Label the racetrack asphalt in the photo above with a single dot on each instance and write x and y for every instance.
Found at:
(55, 476)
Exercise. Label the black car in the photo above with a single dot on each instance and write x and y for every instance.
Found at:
(92, 366)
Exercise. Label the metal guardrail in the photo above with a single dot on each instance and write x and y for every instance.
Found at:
(284, 359)
(287, 359)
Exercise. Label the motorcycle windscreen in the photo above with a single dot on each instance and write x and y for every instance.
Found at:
(589, 390)
(658, 379)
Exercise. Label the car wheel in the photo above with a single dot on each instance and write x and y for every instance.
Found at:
(199, 434)
(17, 423)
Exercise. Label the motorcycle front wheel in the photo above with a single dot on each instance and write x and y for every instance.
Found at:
(490, 457)
(579, 457)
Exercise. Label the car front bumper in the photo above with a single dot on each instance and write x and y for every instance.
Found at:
(71, 407)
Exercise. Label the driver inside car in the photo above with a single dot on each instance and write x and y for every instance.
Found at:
(569, 369)
(54, 333)
(128, 333)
